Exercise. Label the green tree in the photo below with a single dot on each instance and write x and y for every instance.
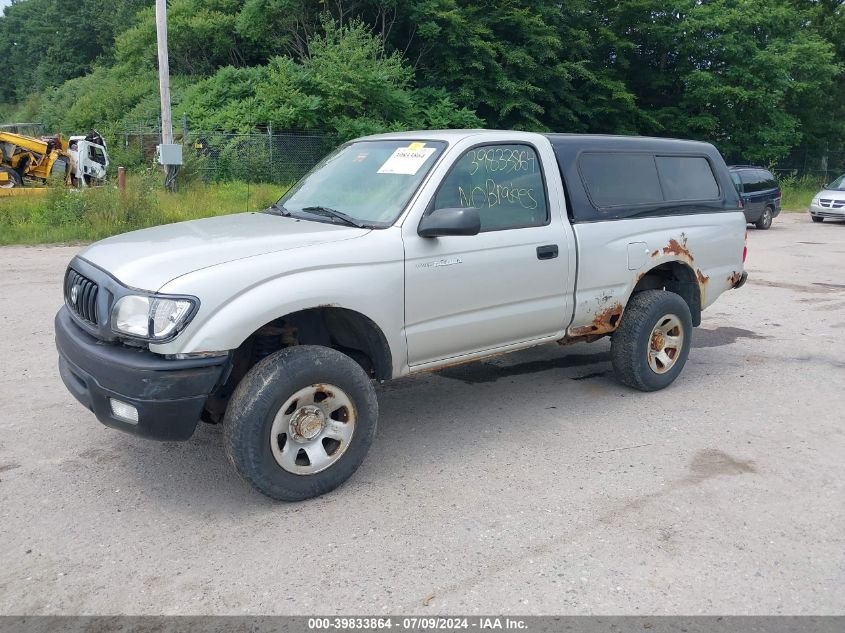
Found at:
(45, 42)
(202, 36)
(347, 83)
(744, 74)
(823, 123)
(526, 65)
(757, 77)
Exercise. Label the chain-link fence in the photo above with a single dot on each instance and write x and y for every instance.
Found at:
(26, 129)
(812, 166)
(278, 158)
(805, 164)
(284, 157)
(219, 156)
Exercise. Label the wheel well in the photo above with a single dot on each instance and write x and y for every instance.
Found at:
(347, 331)
(675, 277)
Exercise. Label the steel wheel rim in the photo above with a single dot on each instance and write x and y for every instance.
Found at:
(312, 429)
(665, 343)
(767, 217)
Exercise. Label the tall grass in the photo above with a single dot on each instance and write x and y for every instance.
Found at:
(798, 192)
(68, 215)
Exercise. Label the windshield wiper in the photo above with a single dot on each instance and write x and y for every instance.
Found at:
(278, 209)
(334, 213)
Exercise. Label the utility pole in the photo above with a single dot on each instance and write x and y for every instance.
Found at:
(168, 155)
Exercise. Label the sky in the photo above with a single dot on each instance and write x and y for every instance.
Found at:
(5, 3)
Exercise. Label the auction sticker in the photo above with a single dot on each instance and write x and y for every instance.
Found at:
(407, 160)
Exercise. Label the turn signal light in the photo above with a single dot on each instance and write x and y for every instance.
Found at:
(123, 411)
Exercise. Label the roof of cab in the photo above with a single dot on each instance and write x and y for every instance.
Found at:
(616, 141)
(444, 135)
(568, 140)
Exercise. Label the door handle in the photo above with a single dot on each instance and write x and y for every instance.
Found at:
(549, 251)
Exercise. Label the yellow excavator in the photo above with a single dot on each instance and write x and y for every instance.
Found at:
(27, 163)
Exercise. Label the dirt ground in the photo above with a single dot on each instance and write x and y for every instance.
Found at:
(530, 484)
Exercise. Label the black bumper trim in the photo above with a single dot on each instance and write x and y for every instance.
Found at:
(168, 394)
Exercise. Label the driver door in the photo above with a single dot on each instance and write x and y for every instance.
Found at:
(506, 285)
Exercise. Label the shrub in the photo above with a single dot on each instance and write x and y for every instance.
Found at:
(798, 191)
(245, 158)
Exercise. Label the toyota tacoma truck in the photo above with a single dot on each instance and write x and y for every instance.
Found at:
(397, 254)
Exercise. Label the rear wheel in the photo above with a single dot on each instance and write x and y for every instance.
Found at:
(816, 218)
(300, 422)
(652, 343)
(765, 221)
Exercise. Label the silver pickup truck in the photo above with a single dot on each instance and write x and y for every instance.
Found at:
(397, 254)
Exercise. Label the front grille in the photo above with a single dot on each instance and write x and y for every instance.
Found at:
(832, 204)
(81, 296)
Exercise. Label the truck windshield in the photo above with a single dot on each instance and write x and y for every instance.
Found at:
(368, 181)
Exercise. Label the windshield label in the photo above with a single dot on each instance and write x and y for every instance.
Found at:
(407, 160)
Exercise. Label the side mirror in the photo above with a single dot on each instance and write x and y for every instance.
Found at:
(450, 221)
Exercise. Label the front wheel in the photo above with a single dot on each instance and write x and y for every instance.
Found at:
(300, 422)
(765, 221)
(13, 179)
(652, 343)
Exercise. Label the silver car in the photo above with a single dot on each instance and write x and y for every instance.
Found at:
(829, 202)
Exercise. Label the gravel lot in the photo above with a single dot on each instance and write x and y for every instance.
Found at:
(531, 484)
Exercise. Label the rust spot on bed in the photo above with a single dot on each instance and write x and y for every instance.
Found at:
(605, 321)
(702, 278)
(733, 278)
(678, 249)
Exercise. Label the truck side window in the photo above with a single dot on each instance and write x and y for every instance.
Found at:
(620, 179)
(96, 154)
(505, 184)
(687, 178)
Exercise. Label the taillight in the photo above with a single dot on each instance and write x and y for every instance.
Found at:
(745, 247)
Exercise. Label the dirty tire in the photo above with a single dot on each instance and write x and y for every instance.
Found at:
(14, 179)
(817, 218)
(630, 343)
(265, 389)
(765, 221)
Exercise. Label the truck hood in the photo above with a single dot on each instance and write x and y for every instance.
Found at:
(149, 258)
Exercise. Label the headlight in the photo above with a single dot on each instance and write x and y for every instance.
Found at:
(153, 318)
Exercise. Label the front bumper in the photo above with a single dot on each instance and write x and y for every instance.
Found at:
(168, 394)
(827, 212)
